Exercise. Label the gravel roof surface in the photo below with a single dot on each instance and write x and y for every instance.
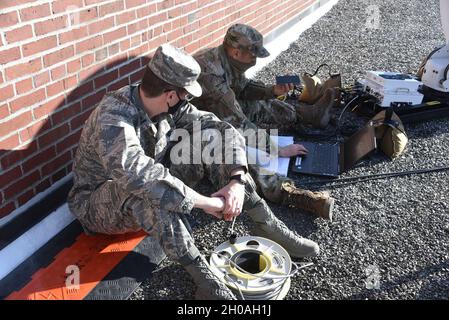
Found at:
(397, 226)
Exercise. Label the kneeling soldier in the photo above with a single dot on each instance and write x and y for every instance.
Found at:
(125, 178)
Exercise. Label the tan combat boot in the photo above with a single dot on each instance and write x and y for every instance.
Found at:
(267, 225)
(209, 287)
(334, 82)
(318, 203)
(319, 115)
(312, 90)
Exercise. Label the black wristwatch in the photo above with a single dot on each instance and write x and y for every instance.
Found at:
(240, 178)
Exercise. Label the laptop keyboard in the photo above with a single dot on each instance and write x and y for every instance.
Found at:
(322, 157)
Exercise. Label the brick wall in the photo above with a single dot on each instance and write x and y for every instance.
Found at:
(59, 57)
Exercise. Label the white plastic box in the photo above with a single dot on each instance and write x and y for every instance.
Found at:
(393, 88)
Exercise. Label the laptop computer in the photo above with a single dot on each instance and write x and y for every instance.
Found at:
(331, 160)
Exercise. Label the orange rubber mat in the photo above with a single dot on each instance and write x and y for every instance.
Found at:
(95, 256)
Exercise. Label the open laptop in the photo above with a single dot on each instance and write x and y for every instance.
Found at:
(331, 160)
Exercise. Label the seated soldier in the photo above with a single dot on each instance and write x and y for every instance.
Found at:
(247, 104)
(125, 179)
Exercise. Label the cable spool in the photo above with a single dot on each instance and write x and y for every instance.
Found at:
(254, 268)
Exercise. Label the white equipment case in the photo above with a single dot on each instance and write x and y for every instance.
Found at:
(393, 89)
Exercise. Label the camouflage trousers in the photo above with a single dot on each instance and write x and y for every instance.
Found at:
(112, 211)
(272, 114)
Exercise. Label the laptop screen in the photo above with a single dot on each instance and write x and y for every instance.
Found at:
(358, 146)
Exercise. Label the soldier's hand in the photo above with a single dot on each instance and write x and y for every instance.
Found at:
(215, 206)
(292, 150)
(281, 89)
(234, 196)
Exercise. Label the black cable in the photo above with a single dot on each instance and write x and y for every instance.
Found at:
(371, 177)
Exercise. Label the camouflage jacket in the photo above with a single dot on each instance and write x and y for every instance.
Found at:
(120, 142)
(223, 87)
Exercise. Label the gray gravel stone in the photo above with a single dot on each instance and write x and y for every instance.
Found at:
(398, 227)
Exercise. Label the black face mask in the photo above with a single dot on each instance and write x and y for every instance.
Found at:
(240, 67)
(173, 109)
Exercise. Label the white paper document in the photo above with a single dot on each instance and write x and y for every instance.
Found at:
(271, 164)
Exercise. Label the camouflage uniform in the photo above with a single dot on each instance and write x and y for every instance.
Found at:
(244, 103)
(124, 179)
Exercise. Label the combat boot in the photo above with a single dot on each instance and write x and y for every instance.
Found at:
(334, 82)
(319, 115)
(318, 203)
(209, 287)
(312, 90)
(270, 227)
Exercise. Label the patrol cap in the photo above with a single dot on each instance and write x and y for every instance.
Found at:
(246, 37)
(177, 68)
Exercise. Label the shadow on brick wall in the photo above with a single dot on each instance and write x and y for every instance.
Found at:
(48, 155)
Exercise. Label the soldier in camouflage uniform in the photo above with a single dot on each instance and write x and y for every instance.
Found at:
(126, 178)
(247, 104)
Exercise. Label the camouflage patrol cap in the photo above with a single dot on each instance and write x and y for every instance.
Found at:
(177, 68)
(246, 37)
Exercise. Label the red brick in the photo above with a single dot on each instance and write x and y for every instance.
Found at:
(11, 3)
(100, 26)
(73, 35)
(87, 60)
(84, 16)
(53, 135)
(79, 121)
(43, 186)
(70, 82)
(55, 88)
(93, 99)
(19, 34)
(7, 209)
(57, 163)
(103, 80)
(111, 36)
(19, 154)
(24, 86)
(9, 143)
(9, 55)
(58, 56)
(88, 44)
(33, 130)
(147, 10)
(22, 69)
(8, 176)
(35, 12)
(58, 72)
(63, 5)
(118, 85)
(74, 66)
(109, 8)
(50, 25)
(4, 111)
(48, 107)
(129, 68)
(6, 92)
(15, 123)
(37, 160)
(41, 79)
(126, 17)
(8, 19)
(27, 100)
(68, 142)
(80, 91)
(101, 54)
(63, 115)
(24, 198)
(134, 3)
(58, 175)
(39, 46)
(18, 186)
